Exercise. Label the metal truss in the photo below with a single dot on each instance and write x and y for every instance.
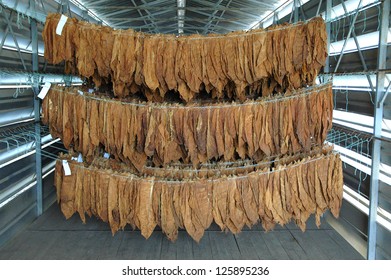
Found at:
(35, 11)
(380, 94)
(190, 16)
(380, 90)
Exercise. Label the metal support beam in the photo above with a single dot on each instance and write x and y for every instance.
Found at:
(68, 80)
(151, 17)
(181, 15)
(221, 15)
(139, 12)
(38, 158)
(348, 36)
(328, 31)
(385, 94)
(302, 11)
(65, 8)
(275, 18)
(318, 9)
(84, 15)
(296, 10)
(364, 65)
(9, 28)
(211, 17)
(377, 129)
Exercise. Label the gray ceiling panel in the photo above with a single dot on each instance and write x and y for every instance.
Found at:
(200, 16)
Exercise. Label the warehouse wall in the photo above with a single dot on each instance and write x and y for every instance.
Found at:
(18, 186)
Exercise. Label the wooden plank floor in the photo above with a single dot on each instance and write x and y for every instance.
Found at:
(53, 237)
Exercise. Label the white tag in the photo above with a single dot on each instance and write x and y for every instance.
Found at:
(74, 158)
(80, 92)
(67, 169)
(80, 158)
(61, 24)
(44, 90)
(106, 155)
(90, 90)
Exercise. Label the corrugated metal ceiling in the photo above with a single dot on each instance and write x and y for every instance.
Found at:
(200, 16)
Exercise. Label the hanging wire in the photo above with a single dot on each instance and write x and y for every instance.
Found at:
(362, 8)
(365, 21)
(19, 23)
(20, 135)
(295, 164)
(346, 100)
(354, 141)
(269, 99)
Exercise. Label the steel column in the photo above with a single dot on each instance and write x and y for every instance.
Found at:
(377, 128)
(328, 31)
(38, 158)
(296, 10)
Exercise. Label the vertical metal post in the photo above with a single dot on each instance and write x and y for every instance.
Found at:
(84, 15)
(65, 10)
(38, 158)
(377, 128)
(328, 31)
(296, 10)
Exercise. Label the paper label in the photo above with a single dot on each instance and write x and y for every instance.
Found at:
(80, 158)
(44, 90)
(61, 24)
(67, 169)
(106, 155)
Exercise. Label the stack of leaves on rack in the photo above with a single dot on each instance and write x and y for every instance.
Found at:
(278, 59)
(165, 133)
(296, 187)
(242, 145)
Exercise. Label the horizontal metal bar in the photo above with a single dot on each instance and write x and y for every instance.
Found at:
(175, 8)
(16, 116)
(8, 193)
(7, 156)
(175, 18)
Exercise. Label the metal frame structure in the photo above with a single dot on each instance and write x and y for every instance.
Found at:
(379, 90)
(377, 131)
(23, 52)
(192, 16)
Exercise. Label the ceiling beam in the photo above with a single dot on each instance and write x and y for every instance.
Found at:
(188, 20)
(267, 5)
(181, 15)
(152, 18)
(209, 20)
(193, 9)
(238, 11)
(111, 15)
(139, 12)
(221, 14)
